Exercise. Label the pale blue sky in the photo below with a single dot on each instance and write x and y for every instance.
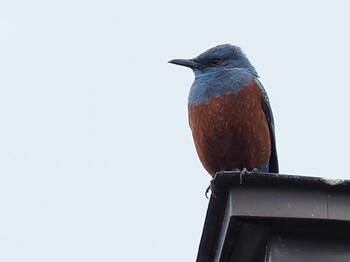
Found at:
(97, 161)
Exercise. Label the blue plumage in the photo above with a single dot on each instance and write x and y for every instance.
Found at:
(229, 110)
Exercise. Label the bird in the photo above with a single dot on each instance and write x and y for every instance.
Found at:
(229, 112)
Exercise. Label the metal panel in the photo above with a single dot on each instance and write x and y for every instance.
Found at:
(248, 207)
(307, 248)
(278, 202)
(338, 205)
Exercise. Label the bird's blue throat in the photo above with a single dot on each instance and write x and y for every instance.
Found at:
(215, 83)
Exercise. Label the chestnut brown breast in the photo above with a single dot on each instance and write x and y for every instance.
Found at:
(231, 131)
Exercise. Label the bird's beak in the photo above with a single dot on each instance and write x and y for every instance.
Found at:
(186, 62)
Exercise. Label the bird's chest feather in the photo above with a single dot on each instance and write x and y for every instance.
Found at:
(231, 125)
(230, 113)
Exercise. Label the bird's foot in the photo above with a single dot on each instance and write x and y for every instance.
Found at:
(211, 189)
(243, 171)
(207, 191)
(255, 170)
(211, 186)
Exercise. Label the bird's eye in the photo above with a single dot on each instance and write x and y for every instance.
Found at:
(214, 62)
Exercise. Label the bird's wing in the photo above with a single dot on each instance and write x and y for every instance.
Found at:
(273, 162)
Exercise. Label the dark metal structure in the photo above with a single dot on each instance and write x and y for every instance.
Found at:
(269, 217)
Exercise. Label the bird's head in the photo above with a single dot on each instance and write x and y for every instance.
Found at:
(217, 58)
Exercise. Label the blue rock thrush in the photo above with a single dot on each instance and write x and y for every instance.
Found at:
(229, 112)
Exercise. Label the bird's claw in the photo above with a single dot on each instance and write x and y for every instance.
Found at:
(211, 189)
(211, 186)
(255, 170)
(207, 191)
(244, 171)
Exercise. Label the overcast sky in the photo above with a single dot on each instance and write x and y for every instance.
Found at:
(97, 161)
